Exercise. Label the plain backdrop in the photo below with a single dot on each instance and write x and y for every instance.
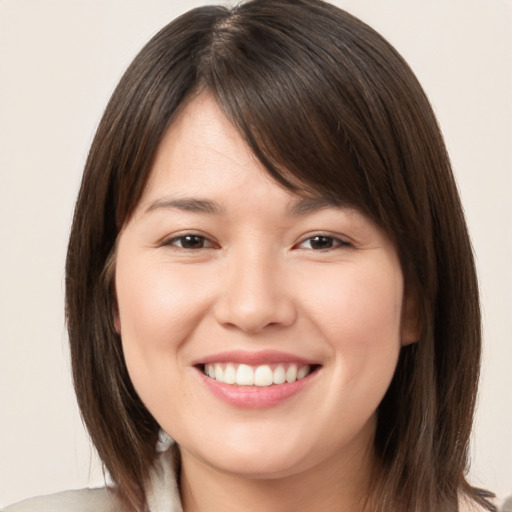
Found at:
(59, 62)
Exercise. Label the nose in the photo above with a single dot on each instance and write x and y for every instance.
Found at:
(254, 294)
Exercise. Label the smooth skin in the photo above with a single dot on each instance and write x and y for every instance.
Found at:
(217, 257)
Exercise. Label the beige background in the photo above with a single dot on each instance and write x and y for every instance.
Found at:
(60, 60)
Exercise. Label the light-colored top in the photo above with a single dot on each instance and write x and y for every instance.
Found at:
(161, 491)
(83, 500)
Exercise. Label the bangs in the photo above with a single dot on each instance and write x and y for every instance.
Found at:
(310, 110)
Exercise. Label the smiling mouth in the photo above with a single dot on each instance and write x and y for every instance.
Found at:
(262, 375)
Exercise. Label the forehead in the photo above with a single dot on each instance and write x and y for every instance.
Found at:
(202, 154)
(204, 166)
(202, 129)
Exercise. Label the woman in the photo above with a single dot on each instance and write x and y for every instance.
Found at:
(270, 264)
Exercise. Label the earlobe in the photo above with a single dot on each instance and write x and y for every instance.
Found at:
(409, 339)
(411, 324)
(117, 323)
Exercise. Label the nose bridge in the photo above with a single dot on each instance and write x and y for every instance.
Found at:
(254, 294)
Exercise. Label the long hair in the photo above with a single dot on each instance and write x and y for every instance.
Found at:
(328, 106)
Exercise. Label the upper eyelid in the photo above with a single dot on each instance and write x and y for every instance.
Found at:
(169, 239)
(344, 240)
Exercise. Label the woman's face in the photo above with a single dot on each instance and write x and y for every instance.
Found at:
(294, 307)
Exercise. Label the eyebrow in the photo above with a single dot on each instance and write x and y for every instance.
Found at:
(298, 208)
(309, 205)
(188, 205)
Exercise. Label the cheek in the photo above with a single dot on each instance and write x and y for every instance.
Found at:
(359, 314)
(158, 309)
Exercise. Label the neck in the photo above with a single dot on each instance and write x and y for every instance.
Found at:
(332, 485)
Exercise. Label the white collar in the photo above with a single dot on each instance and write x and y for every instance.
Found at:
(162, 492)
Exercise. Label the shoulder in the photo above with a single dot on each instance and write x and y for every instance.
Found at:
(83, 500)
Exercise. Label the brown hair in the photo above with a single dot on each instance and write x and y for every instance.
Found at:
(329, 107)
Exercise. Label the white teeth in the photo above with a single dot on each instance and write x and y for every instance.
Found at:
(263, 375)
(303, 371)
(219, 373)
(230, 374)
(279, 376)
(291, 373)
(244, 375)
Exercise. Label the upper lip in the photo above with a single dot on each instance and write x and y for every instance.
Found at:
(253, 358)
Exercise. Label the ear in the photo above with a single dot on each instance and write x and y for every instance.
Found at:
(411, 324)
(117, 322)
(115, 312)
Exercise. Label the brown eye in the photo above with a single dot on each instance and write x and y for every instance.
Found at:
(322, 242)
(189, 242)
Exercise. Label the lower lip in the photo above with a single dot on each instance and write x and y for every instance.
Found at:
(255, 397)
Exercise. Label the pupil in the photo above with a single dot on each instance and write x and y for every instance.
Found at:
(192, 242)
(321, 242)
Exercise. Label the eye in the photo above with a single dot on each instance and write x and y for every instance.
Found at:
(322, 243)
(190, 242)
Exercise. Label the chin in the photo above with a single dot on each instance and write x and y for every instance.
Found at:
(255, 456)
(263, 466)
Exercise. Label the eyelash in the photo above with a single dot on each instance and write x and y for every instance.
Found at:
(334, 242)
(173, 242)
